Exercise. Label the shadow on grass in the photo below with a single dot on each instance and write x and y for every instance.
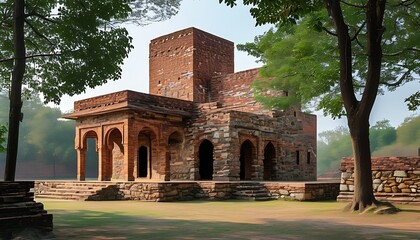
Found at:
(86, 224)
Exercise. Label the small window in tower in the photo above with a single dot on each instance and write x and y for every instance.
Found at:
(308, 158)
(294, 113)
(297, 157)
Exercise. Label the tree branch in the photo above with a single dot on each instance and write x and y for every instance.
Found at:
(400, 52)
(35, 14)
(353, 5)
(38, 33)
(399, 81)
(329, 32)
(358, 31)
(33, 56)
(405, 3)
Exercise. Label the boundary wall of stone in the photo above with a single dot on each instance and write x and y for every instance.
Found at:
(395, 179)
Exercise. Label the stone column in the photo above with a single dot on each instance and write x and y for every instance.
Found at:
(81, 164)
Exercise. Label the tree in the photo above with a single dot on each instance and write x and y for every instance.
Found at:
(58, 47)
(3, 131)
(375, 47)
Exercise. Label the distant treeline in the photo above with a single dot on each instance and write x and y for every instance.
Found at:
(47, 151)
(385, 140)
(46, 143)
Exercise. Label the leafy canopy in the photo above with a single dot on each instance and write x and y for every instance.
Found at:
(72, 45)
(301, 56)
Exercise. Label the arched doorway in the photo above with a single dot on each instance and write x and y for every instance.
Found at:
(114, 163)
(205, 155)
(246, 159)
(91, 164)
(173, 157)
(146, 152)
(142, 162)
(269, 157)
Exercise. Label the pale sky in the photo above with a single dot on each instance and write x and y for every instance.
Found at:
(234, 24)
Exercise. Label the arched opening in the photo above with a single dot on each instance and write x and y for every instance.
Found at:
(173, 169)
(205, 155)
(113, 164)
(92, 157)
(142, 162)
(146, 151)
(269, 157)
(245, 160)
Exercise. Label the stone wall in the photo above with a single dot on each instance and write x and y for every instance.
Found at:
(185, 190)
(233, 91)
(395, 179)
(304, 191)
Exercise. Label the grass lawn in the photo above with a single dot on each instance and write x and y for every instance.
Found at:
(224, 220)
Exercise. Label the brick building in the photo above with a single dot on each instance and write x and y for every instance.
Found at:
(199, 122)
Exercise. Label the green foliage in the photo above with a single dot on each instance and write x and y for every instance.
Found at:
(382, 134)
(332, 146)
(385, 141)
(300, 54)
(72, 45)
(3, 131)
(47, 140)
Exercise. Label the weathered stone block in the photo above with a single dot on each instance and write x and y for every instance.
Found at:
(400, 173)
(344, 187)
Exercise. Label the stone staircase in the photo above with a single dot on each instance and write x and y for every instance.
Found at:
(19, 210)
(253, 191)
(81, 191)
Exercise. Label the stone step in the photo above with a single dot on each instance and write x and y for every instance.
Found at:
(74, 190)
(260, 193)
(253, 192)
(249, 187)
(67, 197)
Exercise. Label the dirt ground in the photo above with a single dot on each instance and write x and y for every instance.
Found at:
(222, 220)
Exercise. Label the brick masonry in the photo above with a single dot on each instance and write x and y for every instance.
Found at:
(200, 122)
(395, 179)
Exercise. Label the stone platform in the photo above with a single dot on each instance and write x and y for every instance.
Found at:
(19, 210)
(187, 190)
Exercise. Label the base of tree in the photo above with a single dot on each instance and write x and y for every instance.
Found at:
(376, 207)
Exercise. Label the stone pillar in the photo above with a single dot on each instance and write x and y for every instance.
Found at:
(81, 164)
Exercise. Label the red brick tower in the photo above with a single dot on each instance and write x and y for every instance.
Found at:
(182, 64)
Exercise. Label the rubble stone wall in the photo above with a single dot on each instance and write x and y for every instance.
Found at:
(394, 179)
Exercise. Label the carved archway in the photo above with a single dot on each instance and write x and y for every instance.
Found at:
(247, 156)
(269, 161)
(88, 158)
(113, 162)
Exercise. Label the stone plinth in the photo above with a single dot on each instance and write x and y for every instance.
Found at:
(19, 210)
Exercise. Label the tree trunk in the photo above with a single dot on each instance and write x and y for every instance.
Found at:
(15, 115)
(363, 185)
